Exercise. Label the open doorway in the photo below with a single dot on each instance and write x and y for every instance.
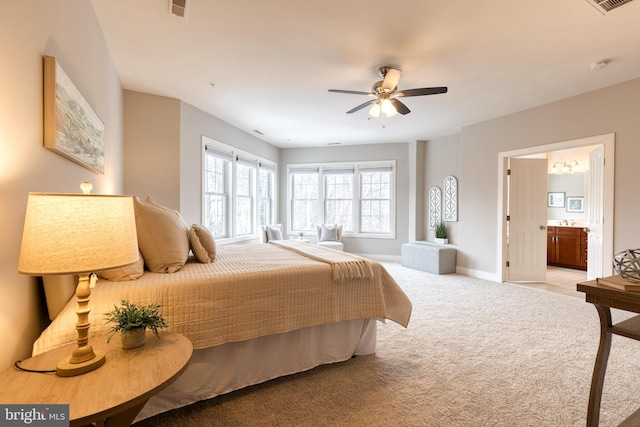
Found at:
(602, 201)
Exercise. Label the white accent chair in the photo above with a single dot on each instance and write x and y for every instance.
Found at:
(330, 236)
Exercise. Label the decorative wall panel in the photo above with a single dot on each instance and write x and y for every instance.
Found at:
(450, 199)
(435, 207)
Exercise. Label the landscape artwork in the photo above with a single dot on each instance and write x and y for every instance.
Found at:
(71, 126)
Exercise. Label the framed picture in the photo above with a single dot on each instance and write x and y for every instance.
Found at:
(575, 204)
(71, 127)
(555, 200)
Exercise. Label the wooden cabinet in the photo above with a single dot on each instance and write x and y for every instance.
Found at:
(567, 247)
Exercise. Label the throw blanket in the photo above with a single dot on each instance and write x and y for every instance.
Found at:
(247, 292)
(345, 266)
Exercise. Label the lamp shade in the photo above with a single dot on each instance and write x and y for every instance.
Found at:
(77, 233)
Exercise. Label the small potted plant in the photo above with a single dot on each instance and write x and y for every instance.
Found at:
(441, 233)
(301, 234)
(132, 320)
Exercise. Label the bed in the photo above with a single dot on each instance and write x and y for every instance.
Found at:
(257, 312)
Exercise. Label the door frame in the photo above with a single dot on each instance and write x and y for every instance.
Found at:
(608, 140)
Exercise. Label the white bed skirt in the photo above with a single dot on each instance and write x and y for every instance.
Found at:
(221, 369)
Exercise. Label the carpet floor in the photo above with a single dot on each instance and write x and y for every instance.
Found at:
(476, 353)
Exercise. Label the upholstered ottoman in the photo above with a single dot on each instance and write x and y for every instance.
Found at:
(430, 257)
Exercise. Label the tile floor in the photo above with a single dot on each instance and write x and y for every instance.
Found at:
(560, 280)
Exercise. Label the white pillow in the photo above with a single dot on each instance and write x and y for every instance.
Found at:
(274, 232)
(329, 233)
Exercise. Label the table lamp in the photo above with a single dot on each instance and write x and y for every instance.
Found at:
(78, 234)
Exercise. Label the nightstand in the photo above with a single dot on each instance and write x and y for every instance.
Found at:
(112, 394)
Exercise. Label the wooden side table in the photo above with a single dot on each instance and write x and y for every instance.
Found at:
(111, 395)
(605, 298)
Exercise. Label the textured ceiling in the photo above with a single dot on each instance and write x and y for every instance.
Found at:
(267, 65)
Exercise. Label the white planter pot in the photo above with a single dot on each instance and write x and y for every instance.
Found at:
(442, 241)
(133, 339)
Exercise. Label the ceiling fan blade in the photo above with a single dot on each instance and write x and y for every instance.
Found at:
(353, 92)
(400, 107)
(361, 106)
(391, 79)
(422, 91)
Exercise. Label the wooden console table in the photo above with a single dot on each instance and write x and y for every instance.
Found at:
(605, 298)
(111, 395)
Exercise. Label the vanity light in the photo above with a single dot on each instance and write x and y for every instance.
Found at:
(569, 167)
(554, 168)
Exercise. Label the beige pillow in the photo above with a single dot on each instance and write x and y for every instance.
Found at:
(158, 205)
(162, 236)
(122, 274)
(203, 245)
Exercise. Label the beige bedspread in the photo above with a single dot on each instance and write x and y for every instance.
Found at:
(247, 292)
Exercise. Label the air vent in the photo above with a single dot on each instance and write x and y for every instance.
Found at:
(179, 7)
(605, 6)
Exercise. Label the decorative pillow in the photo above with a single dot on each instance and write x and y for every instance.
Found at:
(274, 232)
(162, 237)
(122, 274)
(158, 205)
(329, 233)
(202, 244)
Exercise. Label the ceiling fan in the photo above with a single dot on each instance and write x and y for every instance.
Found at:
(385, 94)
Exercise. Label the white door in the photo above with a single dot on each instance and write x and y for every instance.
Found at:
(595, 212)
(527, 220)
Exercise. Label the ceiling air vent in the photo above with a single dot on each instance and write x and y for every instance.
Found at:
(605, 6)
(179, 7)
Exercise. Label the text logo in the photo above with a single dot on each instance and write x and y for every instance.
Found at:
(34, 415)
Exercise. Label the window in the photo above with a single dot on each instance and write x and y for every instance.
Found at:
(216, 192)
(304, 199)
(360, 196)
(238, 191)
(266, 191)
(245, 197)
(375, 200)
(338, 200)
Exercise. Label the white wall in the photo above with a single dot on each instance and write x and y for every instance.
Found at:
(442, 159)
(68, 30)
(152, 147)
(194, 124)
(612, 109)
(163, 150)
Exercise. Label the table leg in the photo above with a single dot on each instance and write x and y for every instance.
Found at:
(122, 419)
(600, 367)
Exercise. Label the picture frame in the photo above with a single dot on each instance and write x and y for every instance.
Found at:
(71, 126)
(555, 200)
(575, 204)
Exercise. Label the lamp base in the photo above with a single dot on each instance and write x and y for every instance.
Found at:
(67, 369)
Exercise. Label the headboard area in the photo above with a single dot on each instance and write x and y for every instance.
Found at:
(58, 290)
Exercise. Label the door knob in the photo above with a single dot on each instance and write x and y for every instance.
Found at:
(542, 227)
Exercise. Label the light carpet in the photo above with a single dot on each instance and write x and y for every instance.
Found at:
(476, 353)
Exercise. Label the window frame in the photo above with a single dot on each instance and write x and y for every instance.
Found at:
(237, 156)
(356, 191)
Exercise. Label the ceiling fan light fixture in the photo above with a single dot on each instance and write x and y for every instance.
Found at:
(375, 109)
(387, 108)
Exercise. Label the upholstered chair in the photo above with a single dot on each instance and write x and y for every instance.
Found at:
(330, 236)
